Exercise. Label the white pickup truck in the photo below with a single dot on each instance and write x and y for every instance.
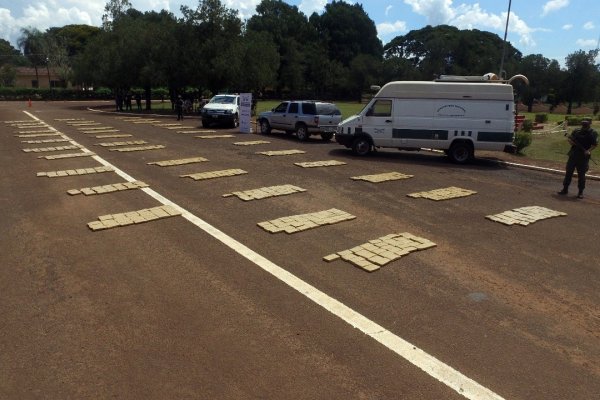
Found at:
(303, 117)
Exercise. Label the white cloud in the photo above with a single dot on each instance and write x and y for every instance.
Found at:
(467, 16)
(245, 8)
(567, 27)
(554, 5)
(589, 25)
(388, 9)
(586, 43)
(310, 6)
(49, 13)
(388, 28)
(436, 11)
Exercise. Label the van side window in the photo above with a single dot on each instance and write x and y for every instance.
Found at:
(381, 108)
(293, 108)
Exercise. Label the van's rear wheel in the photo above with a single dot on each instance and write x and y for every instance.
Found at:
(461, 152)
(361, 146)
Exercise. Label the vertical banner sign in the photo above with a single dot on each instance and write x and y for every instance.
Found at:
(245, 112)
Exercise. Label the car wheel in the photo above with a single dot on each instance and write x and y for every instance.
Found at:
(235, 122)
(302, 132)
(205, 123)
(361, 146)
(326, 136)
(461, 152)
(265, 128)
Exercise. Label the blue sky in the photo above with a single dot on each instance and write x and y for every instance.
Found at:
(553, 28)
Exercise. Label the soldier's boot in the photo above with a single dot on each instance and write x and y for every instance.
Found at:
(580, 194)
(564, 191)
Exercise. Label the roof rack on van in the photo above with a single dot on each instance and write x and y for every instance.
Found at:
(489, 77)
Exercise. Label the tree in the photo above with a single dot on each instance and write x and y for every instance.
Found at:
(8, 74)
(260, 61)
(535, 67)
(347, 32)
(10, 55)
(293, 37)
(113, 10)
(447, 50)
(32, 45)
(74, 37)
(215, 33)
(583, 76)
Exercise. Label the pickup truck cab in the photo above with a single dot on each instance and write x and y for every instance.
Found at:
(222, 109)
(303, 117)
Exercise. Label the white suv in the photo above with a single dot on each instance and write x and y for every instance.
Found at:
(223, 108)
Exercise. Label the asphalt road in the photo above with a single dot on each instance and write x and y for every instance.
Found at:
(211, 306)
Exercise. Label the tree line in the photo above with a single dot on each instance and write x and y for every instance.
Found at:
(282, 53)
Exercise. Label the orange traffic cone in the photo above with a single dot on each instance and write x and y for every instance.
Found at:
(30, 102)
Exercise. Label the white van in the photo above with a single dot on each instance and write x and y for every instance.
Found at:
(454, 115)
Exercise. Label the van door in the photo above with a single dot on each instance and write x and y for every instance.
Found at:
(413, 124)
(378, 122)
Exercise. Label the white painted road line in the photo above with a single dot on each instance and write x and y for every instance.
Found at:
(419, 358)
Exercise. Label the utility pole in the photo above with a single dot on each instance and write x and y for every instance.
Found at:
(504, 43)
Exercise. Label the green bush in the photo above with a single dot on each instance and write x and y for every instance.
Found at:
(527, 125)
(522, 140)
(576, 120)
(541, 118)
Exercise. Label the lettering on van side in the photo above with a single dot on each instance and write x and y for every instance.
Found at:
(426, 134)
(451, 110)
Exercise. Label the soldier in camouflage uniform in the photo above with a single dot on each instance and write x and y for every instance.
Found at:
(582, 141)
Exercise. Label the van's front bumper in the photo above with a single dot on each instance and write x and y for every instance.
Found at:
(344, 139)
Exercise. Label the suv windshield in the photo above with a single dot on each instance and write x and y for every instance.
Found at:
(223, 99)
(327, 109)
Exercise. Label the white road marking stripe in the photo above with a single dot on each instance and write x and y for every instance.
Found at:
(419, 358)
